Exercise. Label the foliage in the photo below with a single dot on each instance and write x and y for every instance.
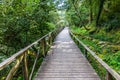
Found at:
(94, 14)
(22, 22)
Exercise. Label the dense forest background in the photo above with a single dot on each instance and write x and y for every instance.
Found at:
(94, 22)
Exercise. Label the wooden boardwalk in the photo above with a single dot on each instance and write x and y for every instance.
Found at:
(65, 62)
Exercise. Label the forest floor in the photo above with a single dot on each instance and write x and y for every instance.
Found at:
(105, 44)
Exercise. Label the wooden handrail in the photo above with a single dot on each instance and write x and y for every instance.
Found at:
(110, 71)
(50, 36)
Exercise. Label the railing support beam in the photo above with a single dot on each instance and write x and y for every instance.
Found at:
(33, 68)
(25, 67)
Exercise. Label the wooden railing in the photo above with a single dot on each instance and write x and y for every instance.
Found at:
(38, 50)
(110, 73)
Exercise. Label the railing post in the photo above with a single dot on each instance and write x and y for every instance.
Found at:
(43, 47)
(108, 76)
(78, 43)
(50, 39)
(25, 67)
(53, 36)
(85, 53)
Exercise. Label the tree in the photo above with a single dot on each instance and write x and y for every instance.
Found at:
(99, 12)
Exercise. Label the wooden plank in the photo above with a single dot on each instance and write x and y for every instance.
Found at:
(67, 75)
(66, 71)
(67, 79)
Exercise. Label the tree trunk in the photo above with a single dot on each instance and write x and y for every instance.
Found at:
(99, 12)
(90, 15)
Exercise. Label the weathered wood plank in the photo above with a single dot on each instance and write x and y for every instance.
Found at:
(67, 75)
(67, 79)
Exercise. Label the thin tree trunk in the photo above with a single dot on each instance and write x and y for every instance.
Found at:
(99, 12)
(90, 15)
